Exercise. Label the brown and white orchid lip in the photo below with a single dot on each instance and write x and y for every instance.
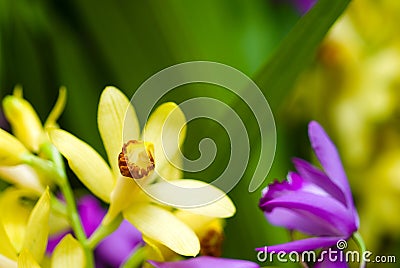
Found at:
(136, 159)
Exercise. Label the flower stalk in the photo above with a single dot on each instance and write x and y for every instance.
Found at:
(54, 168)
(137, 257)
(361, 246)
(103, 231)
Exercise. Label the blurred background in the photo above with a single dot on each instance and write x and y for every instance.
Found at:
(352, 86)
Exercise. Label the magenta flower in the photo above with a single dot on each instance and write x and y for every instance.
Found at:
(114, 249)
(315, 202)
(206, 262)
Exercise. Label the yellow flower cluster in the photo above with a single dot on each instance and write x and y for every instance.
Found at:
(30, 161)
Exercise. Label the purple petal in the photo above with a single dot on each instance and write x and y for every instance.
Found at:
(300, 221)
(54, 240)
(302, 245)
(276, 189)
(326, 210)
(206, 262)
(118, 246)
(290, 218)
(328, 156)
(91, 213)
(315, 176)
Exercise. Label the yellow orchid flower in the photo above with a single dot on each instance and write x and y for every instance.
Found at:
(21, 227)
(25, 122)
(153, 219)
(29, 136)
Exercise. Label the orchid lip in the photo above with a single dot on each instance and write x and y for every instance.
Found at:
(136, 159)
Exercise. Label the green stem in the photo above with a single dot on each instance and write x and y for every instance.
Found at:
(58, 207)
(103, 231)
(56, 171)
(361, 245)
(75, 221)
(136, 259)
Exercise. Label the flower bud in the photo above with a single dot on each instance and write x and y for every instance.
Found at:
(24, 122)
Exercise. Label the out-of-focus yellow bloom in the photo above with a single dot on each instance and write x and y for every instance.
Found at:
(26, 260)
(29, 137)
(22, 176)
(155, 221)
(25, 122)
(23, 229)
(68, 253)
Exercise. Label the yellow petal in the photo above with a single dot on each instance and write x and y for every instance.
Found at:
(116, 118)
(23, 176)
(38, 227)
(6, 248)
(68, 253)
(163, 227)
(11, 149)
(195, 221)
(178, 191)
(24, 122)
(7, 263)
(26, 260)
(13, 200)
(86, 163)
(125, 191)
(166, 129)
(51, 121)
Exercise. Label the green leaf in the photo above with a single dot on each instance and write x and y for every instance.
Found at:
(276, 80)
(297, 50)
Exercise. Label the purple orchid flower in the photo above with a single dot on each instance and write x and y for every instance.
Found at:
(206, 262)
(114, 249)
(315, 202)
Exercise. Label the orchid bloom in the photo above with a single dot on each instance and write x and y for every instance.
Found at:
(116, 248)
(23, 230)
(123, 193)
(113, 250)
(315, 202)
(29, 137)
